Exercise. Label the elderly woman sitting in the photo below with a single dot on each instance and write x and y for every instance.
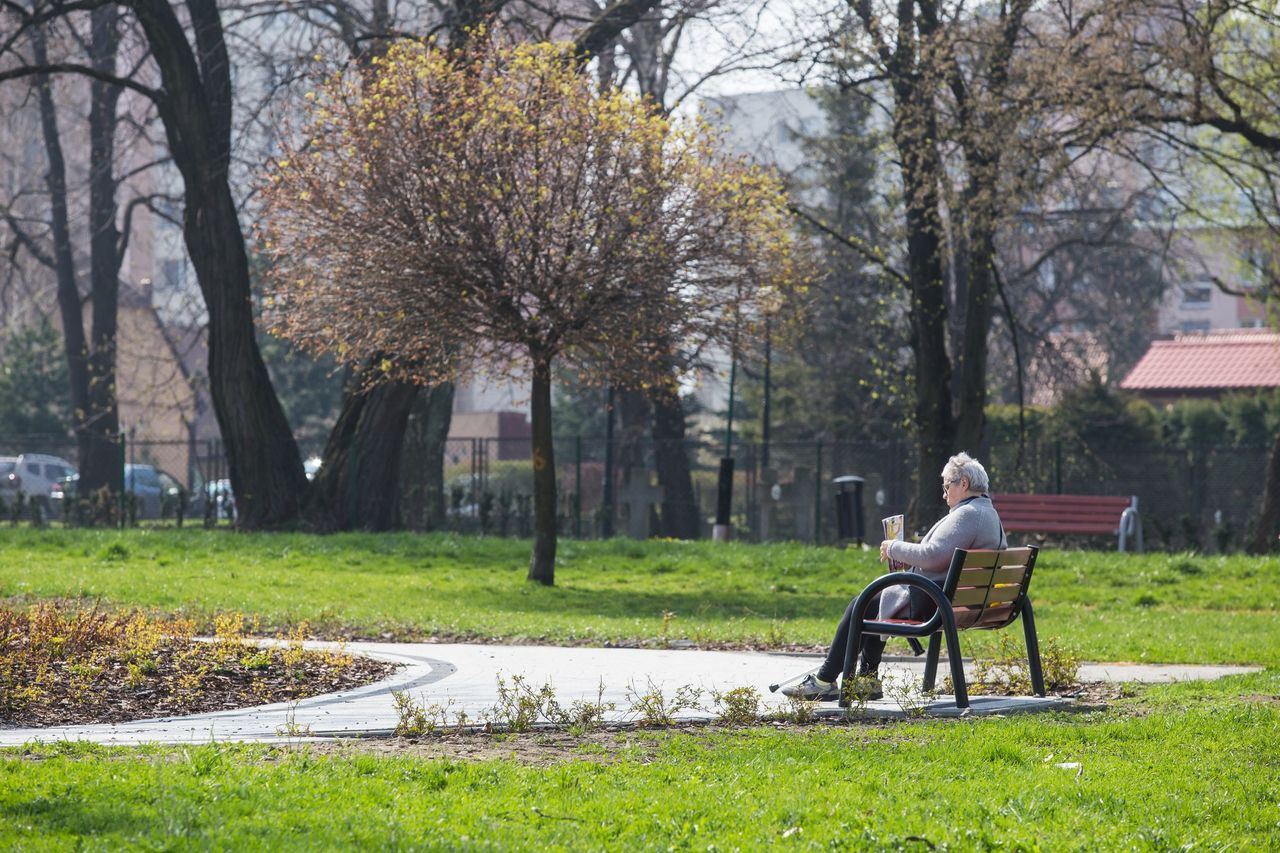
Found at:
(971, 522)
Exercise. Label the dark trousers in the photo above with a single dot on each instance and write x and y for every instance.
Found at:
(872, 647)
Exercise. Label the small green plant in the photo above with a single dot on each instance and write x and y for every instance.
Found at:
(520, 705)
(667, 616)
(582, 715)
(653, 708)
(137, 674)
(411, 717)
(1008, 672)
(739, 706)
(114, 553)
(857, 691)
(799, 711)
(909, 696)
(291, 727)
(776, 636)
(256, 661)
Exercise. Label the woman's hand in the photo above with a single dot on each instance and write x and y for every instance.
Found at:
(884, 550)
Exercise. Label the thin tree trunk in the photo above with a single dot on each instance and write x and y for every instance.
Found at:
(266, 470)
(971, 420)
(679, 507)
(102, 466)
(542, 566)
(69, 306)
(1264, 539)
(915, 135)
(935, 424)
(439, 419)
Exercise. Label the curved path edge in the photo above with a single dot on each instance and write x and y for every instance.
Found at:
(448, 679)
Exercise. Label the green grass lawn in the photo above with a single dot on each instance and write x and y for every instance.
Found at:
(1178, 767)
(1192, 766)
(1154, 607)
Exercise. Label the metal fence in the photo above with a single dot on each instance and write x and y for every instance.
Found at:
(1204, 499)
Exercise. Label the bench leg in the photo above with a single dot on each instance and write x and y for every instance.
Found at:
(953, 654)
(931, 662)
(1033, 647)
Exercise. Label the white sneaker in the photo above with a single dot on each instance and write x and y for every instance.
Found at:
(813, 689)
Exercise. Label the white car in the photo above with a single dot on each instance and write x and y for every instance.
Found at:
(33, 474)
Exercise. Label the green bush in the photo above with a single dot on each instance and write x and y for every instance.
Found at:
(1096, 416)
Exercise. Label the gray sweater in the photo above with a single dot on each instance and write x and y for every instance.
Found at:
(970, 524)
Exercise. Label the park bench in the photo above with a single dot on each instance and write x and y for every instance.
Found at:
(1099, 515)
(983, 590)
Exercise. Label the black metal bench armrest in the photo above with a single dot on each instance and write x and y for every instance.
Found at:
(859, 623)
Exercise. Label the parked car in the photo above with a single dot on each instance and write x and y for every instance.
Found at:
(8, 464)
(33, 474)
(219, 493)
(157, 492)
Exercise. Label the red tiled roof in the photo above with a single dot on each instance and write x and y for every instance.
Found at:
(1239, 358)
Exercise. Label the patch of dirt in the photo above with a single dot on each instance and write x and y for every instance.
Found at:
(1093, 695)
(533, 748)
(182, 677)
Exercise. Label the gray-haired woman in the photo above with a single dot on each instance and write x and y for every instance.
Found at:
(971, 522)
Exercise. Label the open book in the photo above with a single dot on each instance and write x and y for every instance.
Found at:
(894, 528)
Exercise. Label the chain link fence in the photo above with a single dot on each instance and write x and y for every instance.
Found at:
(1203, 499)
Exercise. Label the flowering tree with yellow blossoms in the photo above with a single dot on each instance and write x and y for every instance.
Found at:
(494, 210)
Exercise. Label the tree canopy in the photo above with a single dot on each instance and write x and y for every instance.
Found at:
(494, 209)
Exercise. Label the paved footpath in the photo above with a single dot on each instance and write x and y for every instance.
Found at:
(464, 678)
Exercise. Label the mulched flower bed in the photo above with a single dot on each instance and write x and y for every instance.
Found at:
(59, 668)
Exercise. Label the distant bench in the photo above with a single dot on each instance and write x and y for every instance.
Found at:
(1101, 515)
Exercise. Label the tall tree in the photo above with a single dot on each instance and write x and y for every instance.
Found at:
(520, 216)
(972, 98)
(1203, 79)
(842, 377)
(33, 384)
(91, 357)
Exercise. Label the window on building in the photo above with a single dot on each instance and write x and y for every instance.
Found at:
(1195, 325)
(1197, 295)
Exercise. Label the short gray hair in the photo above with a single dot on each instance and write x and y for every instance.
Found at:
(962, 465)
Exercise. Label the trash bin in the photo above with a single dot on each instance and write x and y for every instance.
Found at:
(849, 521)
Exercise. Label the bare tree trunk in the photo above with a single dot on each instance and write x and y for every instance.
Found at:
(1263, 540)
(934, 422)
(422, 498)
(195, 106)
(440, 403)
(92, 477)
(102, 465)
(971, 420)
(633, 419)
(542, 566)
(679, 508)
(358, 481)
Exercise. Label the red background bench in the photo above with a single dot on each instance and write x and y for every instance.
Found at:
(1099, 515)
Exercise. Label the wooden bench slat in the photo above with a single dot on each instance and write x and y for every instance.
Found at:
(995, 616)
(967, 617)
(1092, 515)
(1016, 556)
(1008, 574)
(1012, 499)
(981, 559)
(1060, 512)
(975, 577)
(967, 595)
(1062, 527)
